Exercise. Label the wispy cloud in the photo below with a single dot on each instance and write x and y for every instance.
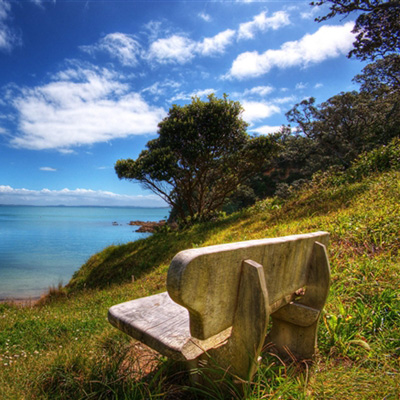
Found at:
(311, 13)
(118, 45)
(48, 169)
(301, 86)
(216, 44)
(153, 30)
(178, 49)
(197, 93)
(202, 92)
(8, 36)
(327, 42)
(263, 23)
(74, 197)
(205, 17)
(81, 107)
(259, 91)
(158, 89)
(284, 100)
(40, 3)
(174, 49)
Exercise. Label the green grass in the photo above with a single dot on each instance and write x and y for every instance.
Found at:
(64, 348)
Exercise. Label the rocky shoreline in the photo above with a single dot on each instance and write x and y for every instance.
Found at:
(147, 226)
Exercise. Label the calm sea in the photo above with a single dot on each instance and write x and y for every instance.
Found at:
(43, 246)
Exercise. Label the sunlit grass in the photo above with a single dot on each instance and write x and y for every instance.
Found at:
(64, 348)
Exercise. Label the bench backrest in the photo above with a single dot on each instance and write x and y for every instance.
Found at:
(206, 280)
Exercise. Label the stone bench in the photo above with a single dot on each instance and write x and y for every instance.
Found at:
(220, 298)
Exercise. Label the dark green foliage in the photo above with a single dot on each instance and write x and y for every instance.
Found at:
(244, 196)
(335, 132)
(383, 158)
(299, 158)
(381, 78)
(345, 125)
(201, 156)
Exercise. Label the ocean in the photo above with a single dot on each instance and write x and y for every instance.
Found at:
(41, 247)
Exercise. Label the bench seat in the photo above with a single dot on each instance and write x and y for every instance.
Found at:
(163, 325)
(220, 299)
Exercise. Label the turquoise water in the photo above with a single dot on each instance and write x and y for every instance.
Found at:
(43, 246)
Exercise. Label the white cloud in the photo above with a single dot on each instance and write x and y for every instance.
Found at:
(160, 88)
(8, 37)
(202, 93)
(68, 197)
(175, 49)
(48, 169)
(4, 9)
(263, 23)
(39, 3)
(259, 91)
(255, 111)
(119, 45)
(66, 151)
(85, 107)
(248, 64)
(216, 44)
(266, 129)
(180, 49)
(153, 29)
(197, 93)
(310, 13)
(301, 86)
(284, 100)
(205, 17)
(327, 42)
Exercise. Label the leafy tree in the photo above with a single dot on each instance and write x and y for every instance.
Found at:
(377, 26)
(382, 77)
(201, 156)
(339, 129)
(243, 196)
(298, 158)
(345, 125)
(381, 81)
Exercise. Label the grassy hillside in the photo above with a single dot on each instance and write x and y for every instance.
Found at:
(64, 347)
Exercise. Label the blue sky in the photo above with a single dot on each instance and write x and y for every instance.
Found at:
(85, 83)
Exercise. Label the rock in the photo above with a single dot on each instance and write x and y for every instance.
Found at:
(147, 226)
